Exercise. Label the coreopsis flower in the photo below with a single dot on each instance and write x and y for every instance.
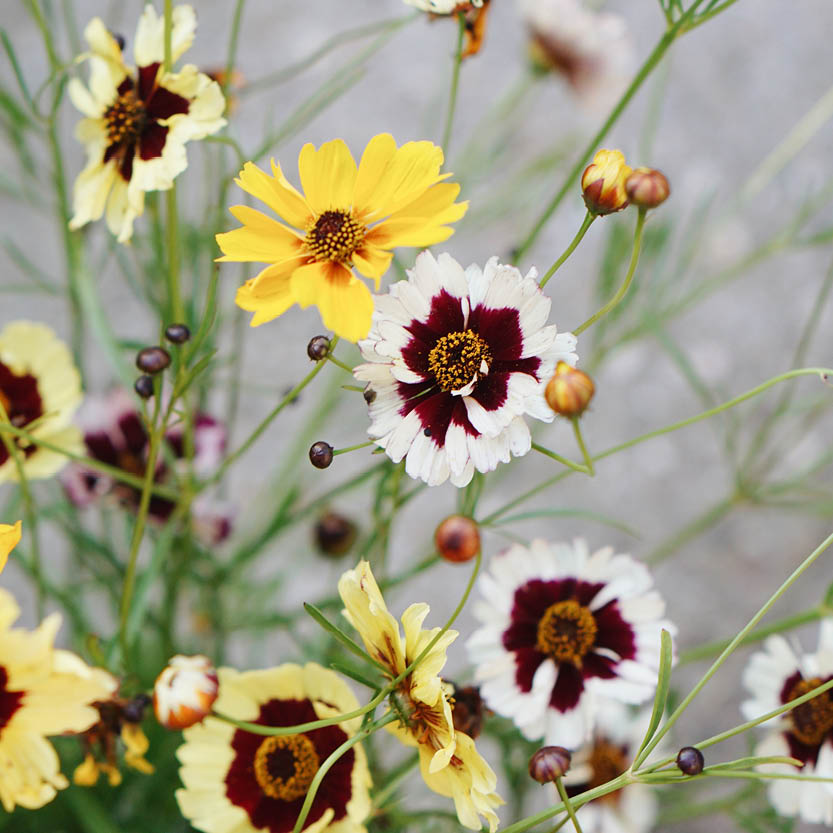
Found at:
(561, 628)
(40, 390)
(9, 539)
(615, 741)
(119, 719)
(448, 759)
(239, 781)
(114, 433)
(185, 691)
(774, 677)
(348, 218)
(43, 691)
(603, 182)
(138, 120)
(456, 359)
(592, 50)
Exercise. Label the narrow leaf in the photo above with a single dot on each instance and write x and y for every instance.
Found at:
(339, 634)
(663, 681)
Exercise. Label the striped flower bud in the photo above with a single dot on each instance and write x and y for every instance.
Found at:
(647, 187)
(569, 392)
(603, 182)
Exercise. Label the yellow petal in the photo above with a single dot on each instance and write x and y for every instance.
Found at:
(86, 773)
(407, 232)
(436, 205)
(328, 175)
(378, 153)
(9, 539)
(259, 239)
(372, 262)
(276, 192)
(268, 295)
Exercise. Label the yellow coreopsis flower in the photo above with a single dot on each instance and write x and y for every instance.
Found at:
(603, 182)
(9, 539)
(449, 761)
(348, 217)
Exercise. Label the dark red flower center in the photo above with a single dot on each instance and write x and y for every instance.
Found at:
(285, 766)
(566, 632)
(607, 760)
(21, 401)
(459, 357)
(335, 236)
(812, 720)
(9, 700)
(125, 119)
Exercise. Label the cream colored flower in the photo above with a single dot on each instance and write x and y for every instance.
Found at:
(42, 692)
(40, 389)
(448, 759)
(138, 120)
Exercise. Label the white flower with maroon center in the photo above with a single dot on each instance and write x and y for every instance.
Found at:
(456, 358)
(561, 628)
(775, 676)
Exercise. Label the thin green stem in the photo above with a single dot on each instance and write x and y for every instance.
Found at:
(559, 785)
(352, 447)
(585, 224)
(614, 301)
(234, 38)
(588, 460)
(331, 358)
(177, 311)
(558, 458)
(455, 82)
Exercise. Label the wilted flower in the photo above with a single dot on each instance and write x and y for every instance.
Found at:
(603, 182)
(184, 691)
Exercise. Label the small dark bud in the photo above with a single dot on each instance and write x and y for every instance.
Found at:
(134, 710)
(153, 359)
(321, 454)
(549, 763)
(690, 760)
(318, 348)
(467, 710)
(369, 395)
(144, 386)
(334, 534)
(457, 539)
(177, 333)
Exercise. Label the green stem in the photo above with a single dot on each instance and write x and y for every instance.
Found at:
(455, 82)
(588, 460)
(614, 301)
(559, 785)
(177, 311)
(352, 448)
(331, 358)
(586, 223)
(563, 460)
(234, 37)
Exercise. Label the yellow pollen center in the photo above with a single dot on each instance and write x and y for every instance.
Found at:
(812, 720)
(335, 236)
(285, 766)
(606, 762)
(125, 119)
(458, 358)
(566, 632)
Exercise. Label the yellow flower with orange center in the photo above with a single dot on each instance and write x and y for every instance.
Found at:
(349, 217)
(603, 182)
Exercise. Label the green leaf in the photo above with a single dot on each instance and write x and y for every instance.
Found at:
(342, 637)
(354, 674)
(663, 681)
(752, 761)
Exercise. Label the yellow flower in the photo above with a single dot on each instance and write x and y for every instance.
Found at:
(231, 776)
(42, 692)
(348, 217)
(603, 182)
(449, 762)
(9, 539)
(40, 389)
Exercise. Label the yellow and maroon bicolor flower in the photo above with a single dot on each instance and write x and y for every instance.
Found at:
(350, 217)
(603, 182)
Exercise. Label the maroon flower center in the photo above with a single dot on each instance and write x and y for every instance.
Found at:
(125, 119)
(812, 720)
(335, 236)
(285, 766)
(606, 762)
(21, 401)
(9, 700)
(459, 357)
(566, 632)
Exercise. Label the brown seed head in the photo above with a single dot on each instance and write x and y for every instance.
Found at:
(457, 539)
(569, 391)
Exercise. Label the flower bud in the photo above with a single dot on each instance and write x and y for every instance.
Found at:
(133, 711)
(152, 359)
(690, 760)
(144, 386)
(334, 534)
(647, 187)
(457, 539)
(569, 391)
(549, 763)
(177, 333)
(603, 182)
(318, 348)
(321, 454)
(185, 691)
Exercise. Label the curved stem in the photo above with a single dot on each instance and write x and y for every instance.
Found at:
(588, 460)
(455, 82)
(586, 223)
(558, 458)
(559, 785)
(614, 301)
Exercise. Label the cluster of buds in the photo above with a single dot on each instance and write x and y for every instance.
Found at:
(153, 360)
(185, 691)
(609, 184)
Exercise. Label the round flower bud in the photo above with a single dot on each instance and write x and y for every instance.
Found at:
(690, 760)
(647, 187)
(185, 691)
(144, 386)
(321, 454)
(177, 333)
(133, 711)
(318, 348)
(334, 534)
(152, 359)
(457, 539)
(569, 391)
(603, 182)
(549, 763)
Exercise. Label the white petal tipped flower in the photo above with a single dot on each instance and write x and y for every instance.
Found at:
(138, 120)
(561, 628)
(185, 691)
(456, 359)
(443, 6)
(775, 676)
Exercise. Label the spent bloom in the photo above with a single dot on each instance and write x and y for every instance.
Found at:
(138, 120)
(9, 539)
(448, 759)
(39, 387)
(603, 182)
(43, 691)
(774, 677)
(247, 783)
(185, 691)
(348, 218)
(455, 360)
(561, 628)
